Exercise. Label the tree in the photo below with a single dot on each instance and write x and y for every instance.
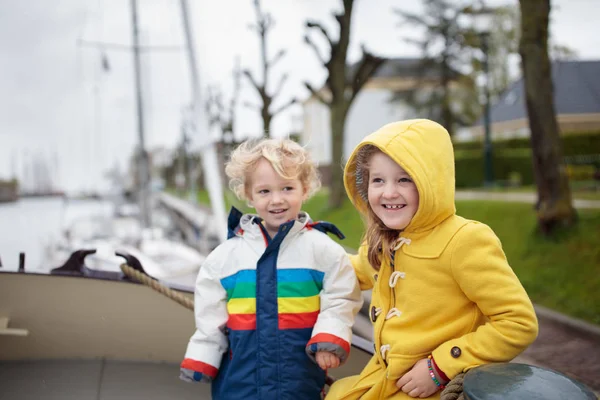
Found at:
(223, 118)
(342, 84)
(447, 91)
(440, 21)
(264, 23)
(554, 204)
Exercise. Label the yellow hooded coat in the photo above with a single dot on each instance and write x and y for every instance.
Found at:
(457, 297)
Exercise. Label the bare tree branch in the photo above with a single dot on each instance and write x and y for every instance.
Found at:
(251, 105)
(237, 74)
(410, 18)
(277, 57)
(312, 44)
(366, 67)
(316, 93)
(321, 28)
(284, 106)
(253, 81)
(214, 117)
(282, 81)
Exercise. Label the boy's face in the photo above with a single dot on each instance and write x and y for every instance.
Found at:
(276, 199)
(393, 195)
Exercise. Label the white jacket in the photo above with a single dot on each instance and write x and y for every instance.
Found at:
(267, 302)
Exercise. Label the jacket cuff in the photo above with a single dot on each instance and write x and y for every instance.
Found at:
(329, 343)
(192, 376)
(453, 358)
(200, 367)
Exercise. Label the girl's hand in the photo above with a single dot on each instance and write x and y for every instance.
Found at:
(326, 360)
(417, 382)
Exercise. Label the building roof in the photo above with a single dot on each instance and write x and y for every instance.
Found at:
(576, 91)
(404, 67)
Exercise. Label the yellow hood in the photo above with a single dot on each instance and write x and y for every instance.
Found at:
(424, 150)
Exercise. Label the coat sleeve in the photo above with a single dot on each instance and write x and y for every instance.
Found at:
(362, 267)
(207, 345)
(481, 270)
(341, 300)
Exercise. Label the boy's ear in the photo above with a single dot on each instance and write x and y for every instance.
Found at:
(304, 193)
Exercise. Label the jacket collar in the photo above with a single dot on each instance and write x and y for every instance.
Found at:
(438, 238)
(249, 224)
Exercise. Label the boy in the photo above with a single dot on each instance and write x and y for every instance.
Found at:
(275, 303)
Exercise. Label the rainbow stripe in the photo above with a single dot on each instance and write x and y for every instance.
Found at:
(298, 298)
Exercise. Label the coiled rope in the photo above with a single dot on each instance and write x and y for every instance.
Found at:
(454, 389)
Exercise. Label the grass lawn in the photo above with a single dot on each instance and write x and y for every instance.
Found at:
(562, 272)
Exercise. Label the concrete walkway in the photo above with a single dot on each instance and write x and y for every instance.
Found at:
(516, 198)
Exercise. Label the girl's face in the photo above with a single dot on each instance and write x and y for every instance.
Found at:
(392, 194)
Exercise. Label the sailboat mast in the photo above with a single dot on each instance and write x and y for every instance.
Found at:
(209, 156)
(142, 167)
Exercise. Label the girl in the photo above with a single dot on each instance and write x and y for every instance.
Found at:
(444, 298)
(275, 303)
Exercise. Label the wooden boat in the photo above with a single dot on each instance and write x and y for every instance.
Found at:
(77, 333)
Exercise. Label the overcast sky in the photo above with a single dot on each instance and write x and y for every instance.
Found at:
(57, 104)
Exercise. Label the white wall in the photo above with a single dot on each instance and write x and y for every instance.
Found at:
(370, 111)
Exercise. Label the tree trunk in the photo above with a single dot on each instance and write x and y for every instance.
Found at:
(338, 122)
(266, 117)
(447, 114)
(554, 206)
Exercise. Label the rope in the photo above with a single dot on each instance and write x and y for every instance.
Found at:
(454, 389)
(154, 284)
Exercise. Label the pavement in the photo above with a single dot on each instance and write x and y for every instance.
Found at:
(516, 198)
(567, 345)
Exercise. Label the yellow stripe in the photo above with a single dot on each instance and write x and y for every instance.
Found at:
(241, 306)
(294, 305)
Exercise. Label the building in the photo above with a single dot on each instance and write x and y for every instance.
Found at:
(371, 109)
(576, 100)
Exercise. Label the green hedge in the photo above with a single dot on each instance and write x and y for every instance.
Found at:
(510, 167)
(512, 161)
(572, 144)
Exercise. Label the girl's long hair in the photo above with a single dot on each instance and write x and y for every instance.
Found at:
(379, 238)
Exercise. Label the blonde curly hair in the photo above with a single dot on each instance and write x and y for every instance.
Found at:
(288, 159)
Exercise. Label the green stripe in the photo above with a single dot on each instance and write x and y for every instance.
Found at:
(284, 289)
(297, 289)
(242, 291)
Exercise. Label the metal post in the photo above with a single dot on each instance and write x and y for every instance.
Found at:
(21, 262)
(143, 167)
(209, 156)
(487, 147)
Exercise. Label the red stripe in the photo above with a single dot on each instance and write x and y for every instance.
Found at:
(328, 338)
(242, 322)
(298, 320)
(199, 366)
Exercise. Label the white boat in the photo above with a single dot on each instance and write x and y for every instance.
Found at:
(81, 336)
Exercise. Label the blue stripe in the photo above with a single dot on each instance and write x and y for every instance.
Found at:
(299, 275)
(243, 276)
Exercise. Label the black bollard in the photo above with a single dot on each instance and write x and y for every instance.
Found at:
(521, 381)
(21, 262)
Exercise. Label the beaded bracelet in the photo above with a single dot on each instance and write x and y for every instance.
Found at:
(435, 380)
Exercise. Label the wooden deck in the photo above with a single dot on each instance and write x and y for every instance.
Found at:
(95, 380)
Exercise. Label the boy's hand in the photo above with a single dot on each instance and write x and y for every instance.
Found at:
(326, 360)
(417, 382)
